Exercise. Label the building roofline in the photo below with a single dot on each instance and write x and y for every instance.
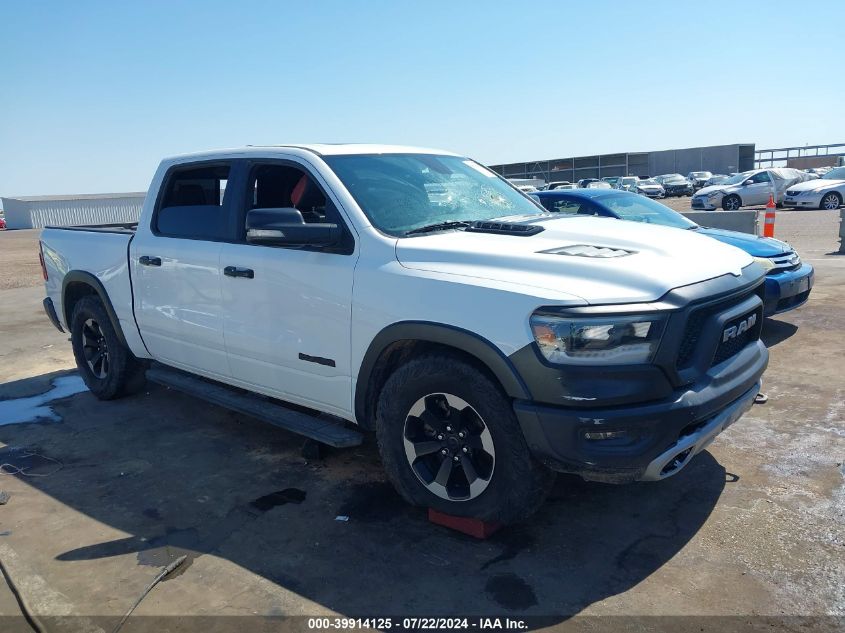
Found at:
(77, 196)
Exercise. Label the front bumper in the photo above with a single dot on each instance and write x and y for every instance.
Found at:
(705, 204)
(788, 290)
(807, 201)
(652, 433)
(674, 458)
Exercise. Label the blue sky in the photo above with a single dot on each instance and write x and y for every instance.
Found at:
(94, 94)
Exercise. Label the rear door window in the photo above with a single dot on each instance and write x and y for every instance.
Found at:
(194, 205)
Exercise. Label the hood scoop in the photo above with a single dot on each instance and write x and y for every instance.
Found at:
(504, 228)
(586, 250)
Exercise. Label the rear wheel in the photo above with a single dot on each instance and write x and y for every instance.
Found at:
(450, 441)
(731, 202)
(831, 201)
(107, 366)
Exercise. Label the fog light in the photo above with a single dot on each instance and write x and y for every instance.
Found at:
(604, 435)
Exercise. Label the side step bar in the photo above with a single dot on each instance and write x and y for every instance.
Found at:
(325, 430)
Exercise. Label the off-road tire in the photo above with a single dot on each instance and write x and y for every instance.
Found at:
(518, 484)
(124, 373)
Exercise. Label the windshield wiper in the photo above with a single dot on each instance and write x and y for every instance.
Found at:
(440, 226)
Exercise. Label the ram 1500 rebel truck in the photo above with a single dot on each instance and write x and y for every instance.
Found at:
(416, 294)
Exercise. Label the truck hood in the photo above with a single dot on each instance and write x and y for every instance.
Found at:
(654, 259)
(754, 245)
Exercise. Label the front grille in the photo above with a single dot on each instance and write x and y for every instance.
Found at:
(696, 320)
(734, 345)
(785, 261)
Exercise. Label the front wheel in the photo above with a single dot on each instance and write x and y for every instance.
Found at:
(450, 441)
(108, 367)
(731, 203)
(831, 201)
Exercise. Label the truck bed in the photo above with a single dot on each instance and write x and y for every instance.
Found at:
(128, 227)
(101, 251)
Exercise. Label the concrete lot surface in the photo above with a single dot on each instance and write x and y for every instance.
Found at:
(755, 526)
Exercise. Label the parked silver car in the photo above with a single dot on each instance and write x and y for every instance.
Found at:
(651, 188)
(747, 189)
(826, 192)
(716, 179)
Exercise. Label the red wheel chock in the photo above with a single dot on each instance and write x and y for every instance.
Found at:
(472, 527)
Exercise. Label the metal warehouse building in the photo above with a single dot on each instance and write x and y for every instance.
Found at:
(722, 159)
(102, 208)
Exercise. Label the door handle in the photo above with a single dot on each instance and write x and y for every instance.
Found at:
(146, 260)
(234, 271)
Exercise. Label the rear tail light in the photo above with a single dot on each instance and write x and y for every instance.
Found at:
(41, 259)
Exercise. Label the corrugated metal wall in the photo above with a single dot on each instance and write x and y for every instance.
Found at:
(27, 214)
(717, 158)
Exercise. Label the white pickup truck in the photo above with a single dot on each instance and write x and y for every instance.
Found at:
(331, 289)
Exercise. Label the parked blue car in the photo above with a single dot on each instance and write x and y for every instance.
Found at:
(788, 280)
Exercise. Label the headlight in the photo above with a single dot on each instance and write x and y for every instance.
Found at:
(713, 194)
(765, 262)
(611, 340)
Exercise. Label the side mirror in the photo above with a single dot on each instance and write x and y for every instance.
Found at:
(285, 227)
(748, 182)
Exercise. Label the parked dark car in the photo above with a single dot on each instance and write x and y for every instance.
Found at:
(675, 185)
(788, 279)
(698, 178)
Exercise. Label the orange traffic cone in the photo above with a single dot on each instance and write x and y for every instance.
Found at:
(769, 222)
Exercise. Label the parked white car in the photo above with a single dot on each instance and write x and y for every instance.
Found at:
(747, 189)
(627, 183)
(826, 192)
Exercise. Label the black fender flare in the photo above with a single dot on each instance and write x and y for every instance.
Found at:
(464, 340)
(84, 277)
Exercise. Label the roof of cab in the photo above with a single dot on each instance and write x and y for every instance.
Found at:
(320, 149)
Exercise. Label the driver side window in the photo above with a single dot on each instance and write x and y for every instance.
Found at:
(277, 185)
(763, 176)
